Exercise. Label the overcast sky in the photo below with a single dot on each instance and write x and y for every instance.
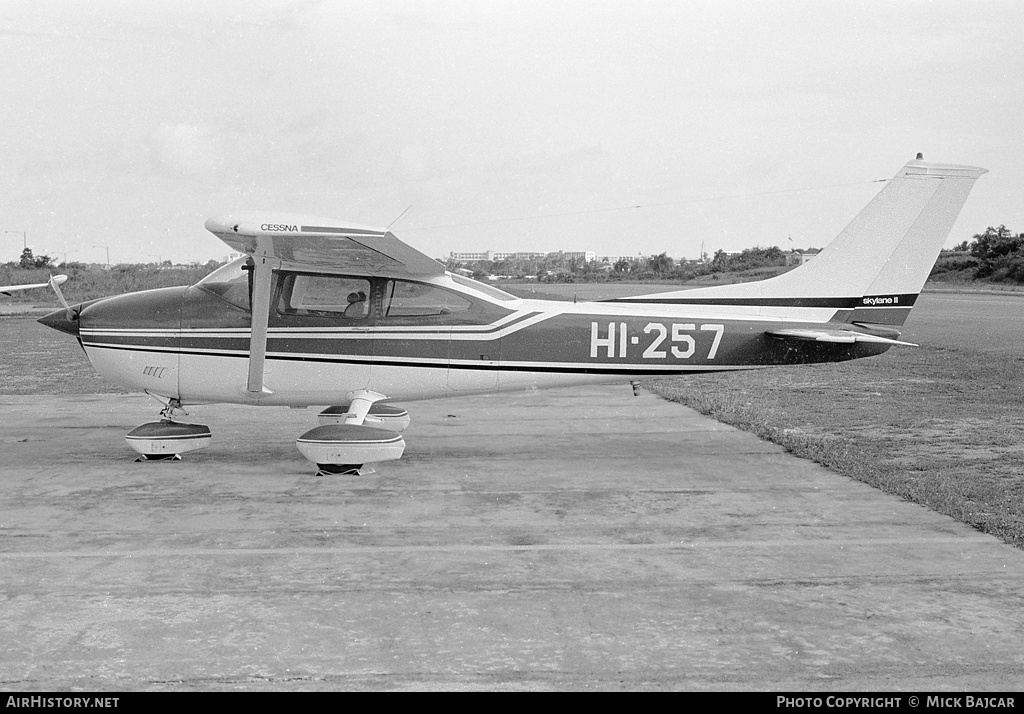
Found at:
(525, 125)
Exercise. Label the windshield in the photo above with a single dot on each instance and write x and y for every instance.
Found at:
(229, 282)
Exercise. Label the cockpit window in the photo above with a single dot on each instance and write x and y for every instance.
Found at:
(488, 290)
(325, 296)
(229, 282)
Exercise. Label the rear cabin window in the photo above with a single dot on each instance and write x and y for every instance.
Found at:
(325, 296)
(407, 299)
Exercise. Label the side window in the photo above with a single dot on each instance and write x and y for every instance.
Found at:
(324, 296)
(406, 299)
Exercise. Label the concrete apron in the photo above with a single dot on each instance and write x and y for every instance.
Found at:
(570, 539)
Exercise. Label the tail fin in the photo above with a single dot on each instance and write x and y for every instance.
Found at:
(910, 262)
(881, 260)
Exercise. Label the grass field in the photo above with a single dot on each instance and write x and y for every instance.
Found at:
(940, 427)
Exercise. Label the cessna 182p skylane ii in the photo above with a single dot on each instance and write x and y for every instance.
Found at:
(319, 312)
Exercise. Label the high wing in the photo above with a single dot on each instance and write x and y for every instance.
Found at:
(303, 242)
(829, 335)
(306, 243)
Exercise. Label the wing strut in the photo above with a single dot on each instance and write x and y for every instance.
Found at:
(360, 402)
(263, 267)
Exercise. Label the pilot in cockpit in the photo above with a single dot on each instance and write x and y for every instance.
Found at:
(357, 305)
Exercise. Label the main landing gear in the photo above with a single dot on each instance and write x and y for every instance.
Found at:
(345, 448)
(364, 431)
(352, 435)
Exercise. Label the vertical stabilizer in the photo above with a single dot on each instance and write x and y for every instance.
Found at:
(887, 301)
(886, 251)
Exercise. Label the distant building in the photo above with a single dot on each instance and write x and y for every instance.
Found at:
(613, 259)
(470, 257)
(587, 256)
(798, 257)
(494, 256)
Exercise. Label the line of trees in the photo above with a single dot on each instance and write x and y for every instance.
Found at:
(87, 282)
(29, 261)
(996, 256)
(554, 268)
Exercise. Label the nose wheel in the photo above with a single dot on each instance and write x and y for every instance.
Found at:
(171, 409)
(339, 469)
(167, 439)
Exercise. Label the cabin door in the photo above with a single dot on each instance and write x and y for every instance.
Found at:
(320, 330)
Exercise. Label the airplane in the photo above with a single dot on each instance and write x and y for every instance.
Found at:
(54, 280)
(324, 313)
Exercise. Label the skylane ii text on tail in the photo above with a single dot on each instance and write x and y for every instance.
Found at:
(320, 312)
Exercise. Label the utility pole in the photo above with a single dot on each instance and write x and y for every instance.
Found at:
(107, 247)
(24, 237)
(65, 251)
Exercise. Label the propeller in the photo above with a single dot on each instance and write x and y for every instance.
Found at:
(55, 282)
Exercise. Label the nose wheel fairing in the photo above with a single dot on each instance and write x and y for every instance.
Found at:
(167, 440)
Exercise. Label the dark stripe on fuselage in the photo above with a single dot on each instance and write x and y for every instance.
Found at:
(299, 336)
(906, 300)
(161, 343)
(640, 371)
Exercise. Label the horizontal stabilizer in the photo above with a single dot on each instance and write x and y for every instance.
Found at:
(847, 336)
